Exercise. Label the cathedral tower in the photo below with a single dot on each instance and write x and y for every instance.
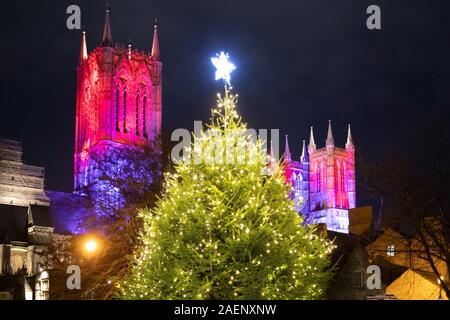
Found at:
(324, 181)
(118, 101)
(332, 174)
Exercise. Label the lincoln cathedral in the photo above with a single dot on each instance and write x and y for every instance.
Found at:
(119, 107)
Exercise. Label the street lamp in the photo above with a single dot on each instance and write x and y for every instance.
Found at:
(90, 246)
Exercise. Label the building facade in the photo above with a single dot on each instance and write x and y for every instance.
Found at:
(323, 181)
(26, 227)
(20, 184)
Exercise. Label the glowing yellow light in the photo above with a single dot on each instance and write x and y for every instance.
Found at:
(91, 246)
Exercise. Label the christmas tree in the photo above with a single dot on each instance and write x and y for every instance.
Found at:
(225, 227)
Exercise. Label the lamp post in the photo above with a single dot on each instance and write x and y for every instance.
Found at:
(90, 247)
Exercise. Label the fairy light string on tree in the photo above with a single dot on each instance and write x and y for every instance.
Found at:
(224, 230)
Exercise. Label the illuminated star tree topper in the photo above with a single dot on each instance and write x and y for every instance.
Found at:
(223, 67)
(222, 230)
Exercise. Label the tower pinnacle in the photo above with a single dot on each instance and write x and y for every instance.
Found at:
(349, 143)
(155, 46)
(304, 156)
(107, 36)
(312, 143)
(287, 152)
(330, 139)
(83, 49)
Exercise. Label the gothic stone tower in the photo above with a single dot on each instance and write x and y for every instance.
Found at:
(297, 173)
(324, 181)
(118, 102)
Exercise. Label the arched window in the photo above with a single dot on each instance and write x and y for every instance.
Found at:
(85, 176)
(93, 109)
(337, 182)
(137, 114)
(125, 110)
(117, 109)
(144, 116)
(323, 177)
(318, 182)
(344, 184)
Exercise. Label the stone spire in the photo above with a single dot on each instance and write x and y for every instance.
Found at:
(155, 46)
(287, 152)
(349, 144)
(312, 144)
(107, 36)
(304, 157)
(330, 139)
(83, 49)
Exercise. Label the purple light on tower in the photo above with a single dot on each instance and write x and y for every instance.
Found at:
(324, 181)
(118, 103)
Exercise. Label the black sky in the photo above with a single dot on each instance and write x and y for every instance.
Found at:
(299, 62)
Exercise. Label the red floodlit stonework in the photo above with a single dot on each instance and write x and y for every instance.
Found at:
(324, 181)
(118, 101)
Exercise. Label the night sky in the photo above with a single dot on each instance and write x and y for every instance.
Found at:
(300, 63)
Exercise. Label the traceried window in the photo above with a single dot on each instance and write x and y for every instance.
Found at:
(137, 114)
(323, 177)
(337, 177)
(299, 181)
(390, 251)
(85, 176)
(318, 182)
(117, 109)
(124, 111)
(344, 192)
(144, 116)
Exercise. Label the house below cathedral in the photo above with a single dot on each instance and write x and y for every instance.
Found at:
(404, 272)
